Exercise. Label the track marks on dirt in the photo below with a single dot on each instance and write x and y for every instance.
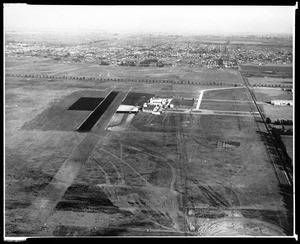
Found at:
(107, 180)
(238, 226)
(151, 201)
(125, 163)
(95, 156)
(160, 158)
(216, 199)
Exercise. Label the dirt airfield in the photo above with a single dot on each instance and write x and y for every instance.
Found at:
(174, 174)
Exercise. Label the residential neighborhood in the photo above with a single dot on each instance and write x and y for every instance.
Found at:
(190, 53)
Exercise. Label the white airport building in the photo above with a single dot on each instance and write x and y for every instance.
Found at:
(156, 105)
(282, 102)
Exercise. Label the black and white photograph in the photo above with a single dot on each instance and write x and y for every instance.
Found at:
(148, 121)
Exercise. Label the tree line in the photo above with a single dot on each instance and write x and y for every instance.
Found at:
(120, 79)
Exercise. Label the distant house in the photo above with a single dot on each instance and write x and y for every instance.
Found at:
(282, 102)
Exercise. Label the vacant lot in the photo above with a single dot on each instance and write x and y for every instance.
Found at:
(172, 174)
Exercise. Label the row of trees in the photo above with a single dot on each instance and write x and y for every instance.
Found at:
(271, 85)
(121, 79)
(283, 122)
(279, 121)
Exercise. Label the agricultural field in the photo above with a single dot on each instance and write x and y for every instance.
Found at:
(174, 174)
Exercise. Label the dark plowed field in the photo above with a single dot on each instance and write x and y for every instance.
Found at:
(89, 123)
(86, 103)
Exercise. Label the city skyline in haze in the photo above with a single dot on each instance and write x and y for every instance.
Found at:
(185, 19)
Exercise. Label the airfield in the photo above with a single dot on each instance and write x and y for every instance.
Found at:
(206, 168)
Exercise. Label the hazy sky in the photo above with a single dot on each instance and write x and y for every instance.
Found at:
(170, 19)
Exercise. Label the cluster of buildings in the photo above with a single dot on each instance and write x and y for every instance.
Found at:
(156, 105)
(154, 51)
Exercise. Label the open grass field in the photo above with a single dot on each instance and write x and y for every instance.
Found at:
(267, 94)
(227, 106)
(268, 81)
(262, 68)
(169, 174)
(234, 94)
(185, 103)
(278, 112)
(43, 66)
(137, 99)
